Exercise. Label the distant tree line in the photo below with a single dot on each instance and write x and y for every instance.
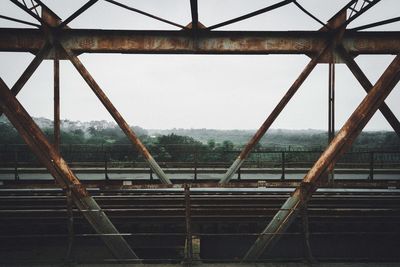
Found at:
(171, 147)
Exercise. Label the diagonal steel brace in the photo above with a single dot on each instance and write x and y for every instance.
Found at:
(60, 170)
(367, 85)
(339, 145)
(19, 84)
(115, 114)
(272, 117)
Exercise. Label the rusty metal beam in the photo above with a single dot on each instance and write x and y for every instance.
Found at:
(336, 148)
(367, 85)
(272, 117)
(30, 70)
(64, 176)
(206, 42)
(116, 115)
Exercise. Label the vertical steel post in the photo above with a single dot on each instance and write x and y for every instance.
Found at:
(70, 223)
(283, 158)
(195, 15)
(195, 157)
(371, 166)
(331, 102)
(151, 174)
(56, 103)
(339, 145)
(16, 175)
(306, 234)
(116, 115)
(189, 245)
(331, 113)
(271, 118)
(106, 166)
(59, 169)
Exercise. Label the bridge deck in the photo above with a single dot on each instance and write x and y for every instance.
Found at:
(343, 224)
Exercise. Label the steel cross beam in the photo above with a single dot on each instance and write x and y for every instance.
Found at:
(115, 114)
(205, 42)
(342, 141)
(367, 85)
(64, 176)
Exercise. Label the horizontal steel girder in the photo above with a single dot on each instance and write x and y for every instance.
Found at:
(182, 42)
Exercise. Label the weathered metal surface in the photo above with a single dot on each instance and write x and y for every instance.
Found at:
(49, 16)
(116, 115)
(218, 42)
(367, 85)
(336, 148)
(64, 176)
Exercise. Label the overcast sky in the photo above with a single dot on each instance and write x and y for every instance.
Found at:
(200, 91)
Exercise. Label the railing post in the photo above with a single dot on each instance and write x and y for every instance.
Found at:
(239, 174)
(306, 234)
(195, 163)
(283, 164)
(371, 166)
(106, 166)
(151, 174)
(70, 224)
(188, 247)
(16, 176)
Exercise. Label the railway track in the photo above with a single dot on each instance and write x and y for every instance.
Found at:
(223, 221)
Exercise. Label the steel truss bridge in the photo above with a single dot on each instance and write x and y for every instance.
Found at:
(165, 220)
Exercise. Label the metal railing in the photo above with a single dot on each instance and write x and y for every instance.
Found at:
(195, 159)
